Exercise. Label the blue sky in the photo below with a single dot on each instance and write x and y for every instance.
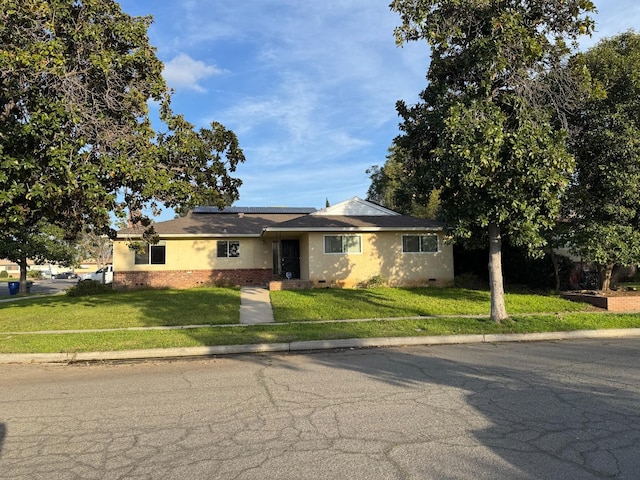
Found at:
(309, 86)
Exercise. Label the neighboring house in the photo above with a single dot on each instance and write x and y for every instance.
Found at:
(342, 246)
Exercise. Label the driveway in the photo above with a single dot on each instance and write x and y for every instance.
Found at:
(42, 287)
(503, 411)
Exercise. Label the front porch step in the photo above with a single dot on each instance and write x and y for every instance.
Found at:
(290, 285)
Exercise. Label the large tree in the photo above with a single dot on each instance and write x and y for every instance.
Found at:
(76, 139)
(604, 200)
(42, 243)
(391, 188)
(484, 132)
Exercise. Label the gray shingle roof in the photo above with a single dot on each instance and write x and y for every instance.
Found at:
(249, 224)
(327, 223)
(245, 223)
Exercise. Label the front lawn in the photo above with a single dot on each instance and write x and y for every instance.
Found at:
(142, 308)
(252, 334)
(335, 304)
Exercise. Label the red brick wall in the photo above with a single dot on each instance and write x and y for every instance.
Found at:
(616, 303)
(629, 303)
(190, 278)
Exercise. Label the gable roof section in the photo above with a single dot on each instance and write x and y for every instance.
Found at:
(355, 207)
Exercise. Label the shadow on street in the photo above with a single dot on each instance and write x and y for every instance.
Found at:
(550, 415)
(3, 433)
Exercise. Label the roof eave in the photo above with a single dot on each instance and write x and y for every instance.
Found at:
(354, 229)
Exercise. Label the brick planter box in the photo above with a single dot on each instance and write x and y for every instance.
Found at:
(614, 302)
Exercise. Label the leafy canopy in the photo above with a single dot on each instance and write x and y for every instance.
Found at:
(604, 200)
(76, 139)
(484, 133)
(485, 130)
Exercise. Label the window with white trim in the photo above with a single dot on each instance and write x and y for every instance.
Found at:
(342, 244)
(420, 243)
(151, 255)
(228, 248)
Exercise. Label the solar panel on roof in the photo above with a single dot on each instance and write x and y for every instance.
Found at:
(283, 210)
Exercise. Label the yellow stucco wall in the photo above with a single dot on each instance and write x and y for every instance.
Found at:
(381, 255)
(190, 254)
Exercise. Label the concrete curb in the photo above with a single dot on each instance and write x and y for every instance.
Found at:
(312, 345)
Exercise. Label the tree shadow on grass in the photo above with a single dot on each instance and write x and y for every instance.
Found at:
(150, 307)
(554, 411)
(339, 304)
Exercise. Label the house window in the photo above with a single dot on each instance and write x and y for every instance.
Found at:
(228, 249)
(342, 244)
(420, 243)
(151, 254)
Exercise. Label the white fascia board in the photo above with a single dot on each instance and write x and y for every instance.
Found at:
(355, 229)
(191, 235)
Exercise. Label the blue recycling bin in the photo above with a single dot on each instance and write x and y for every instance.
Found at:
(14, 288)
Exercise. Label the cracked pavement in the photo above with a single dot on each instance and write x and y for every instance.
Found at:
(527, 411)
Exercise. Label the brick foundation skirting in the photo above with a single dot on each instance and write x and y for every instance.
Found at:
(191, 278)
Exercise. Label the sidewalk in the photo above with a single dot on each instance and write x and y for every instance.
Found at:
(255, 306)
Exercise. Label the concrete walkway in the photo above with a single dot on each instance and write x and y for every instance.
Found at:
(255, 306)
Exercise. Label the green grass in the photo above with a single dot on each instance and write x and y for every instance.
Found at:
(221, 306)
(143, 308)
(123, 340)
(334, 304)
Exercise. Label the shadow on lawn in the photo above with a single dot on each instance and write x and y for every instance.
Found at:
(158, 307)
(343, 304)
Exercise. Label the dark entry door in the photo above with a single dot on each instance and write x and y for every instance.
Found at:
(290, 260)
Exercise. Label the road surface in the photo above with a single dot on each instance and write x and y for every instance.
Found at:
(563, 410)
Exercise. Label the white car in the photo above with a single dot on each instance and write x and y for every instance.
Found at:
(103, 275)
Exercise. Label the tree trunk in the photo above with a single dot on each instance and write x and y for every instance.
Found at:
(606, 271)
(23, 275)
(556, 269)
(498, 310)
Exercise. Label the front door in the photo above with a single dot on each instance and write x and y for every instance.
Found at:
(290, 260)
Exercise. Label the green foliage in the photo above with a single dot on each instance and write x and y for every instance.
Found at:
(76, 140)
(392, 188)
(88, 288)
(35, 274)
(375, 281)
(470, 281)
(484, 134)
(604, 200)
(4, 274)
(42, 242)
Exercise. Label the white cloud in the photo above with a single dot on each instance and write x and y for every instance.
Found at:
(184, 71)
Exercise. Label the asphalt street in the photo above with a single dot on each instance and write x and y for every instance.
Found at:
(550, 410)
(42, 287)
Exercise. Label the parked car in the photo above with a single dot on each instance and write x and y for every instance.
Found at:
(103, 275)
(65, 275)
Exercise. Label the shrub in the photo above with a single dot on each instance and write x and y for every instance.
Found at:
(89, 287)
(35, 274)
(373, 282)
(470, 281)
(4, 274)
